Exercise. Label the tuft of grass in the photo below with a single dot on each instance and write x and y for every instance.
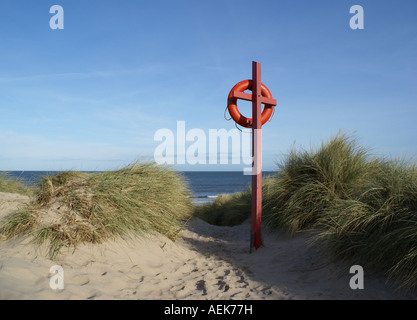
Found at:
(23, 221)
(363, 209)
(378, 227)
(226, 209)
(308, 182)
(74, 207)
(10, 185)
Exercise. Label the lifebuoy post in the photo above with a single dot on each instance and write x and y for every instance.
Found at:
(260, 95)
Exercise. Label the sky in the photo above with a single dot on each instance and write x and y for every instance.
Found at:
(91, 96)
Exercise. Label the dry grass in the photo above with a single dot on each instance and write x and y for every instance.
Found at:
(10, 185)
(363, 209)
(226, 209)
(73, 207)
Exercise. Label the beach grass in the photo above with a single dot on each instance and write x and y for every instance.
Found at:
(309, 182)
(12, 185)
(378, 226)
(362, 209)
(226, 209)
(70, 208)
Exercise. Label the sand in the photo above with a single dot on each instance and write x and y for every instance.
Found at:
(207, 262)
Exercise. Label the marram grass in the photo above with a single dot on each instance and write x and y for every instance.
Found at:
(309, 182)
(74, 207)
(378, 227)
(10, 185)
(226, 209)
(363, 209)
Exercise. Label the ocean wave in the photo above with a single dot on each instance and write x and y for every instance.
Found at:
(203, 197)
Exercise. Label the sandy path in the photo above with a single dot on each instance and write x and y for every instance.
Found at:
(209, 262)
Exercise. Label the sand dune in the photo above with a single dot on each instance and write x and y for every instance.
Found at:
(208, 262)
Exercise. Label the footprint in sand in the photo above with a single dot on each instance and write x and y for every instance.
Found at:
(201, 285)
(223, 286)
(80, 280)
(185, 268)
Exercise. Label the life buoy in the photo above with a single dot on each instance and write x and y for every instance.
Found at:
(234, 111)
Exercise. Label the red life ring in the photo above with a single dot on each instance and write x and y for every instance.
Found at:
(234, 111)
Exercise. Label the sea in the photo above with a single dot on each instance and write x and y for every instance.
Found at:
(205, 186)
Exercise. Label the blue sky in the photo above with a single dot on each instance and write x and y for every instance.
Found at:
(92, 96)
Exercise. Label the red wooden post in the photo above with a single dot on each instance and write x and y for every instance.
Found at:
(260, 95)
(256, 216)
